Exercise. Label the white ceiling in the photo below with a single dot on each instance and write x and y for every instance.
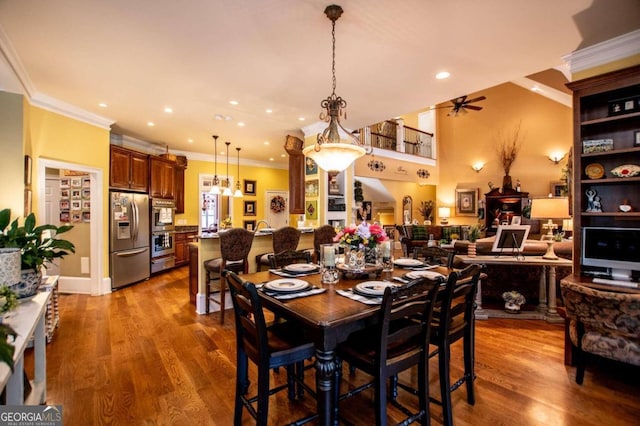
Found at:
(197, 55)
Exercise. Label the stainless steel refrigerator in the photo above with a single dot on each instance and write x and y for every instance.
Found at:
(129, 242)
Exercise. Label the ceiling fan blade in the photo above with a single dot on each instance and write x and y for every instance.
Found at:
(459, 100)
(473, 107)
(478, 99)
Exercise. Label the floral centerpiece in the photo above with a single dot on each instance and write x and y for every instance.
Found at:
(361, 244)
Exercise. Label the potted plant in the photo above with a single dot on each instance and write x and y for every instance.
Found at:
(426, 210)
(38, 245)
(474, 234)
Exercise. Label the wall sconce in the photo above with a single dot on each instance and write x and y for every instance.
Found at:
(477, 167)
(444, 213)
(556, 157)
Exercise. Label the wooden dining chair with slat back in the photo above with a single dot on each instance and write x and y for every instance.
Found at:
(454, 319)
(285, 238)
(399, 341)
(235, 245)
(322, 235)
(435, 255)
(288, 257)
(268, 347)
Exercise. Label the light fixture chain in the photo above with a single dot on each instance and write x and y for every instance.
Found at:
(333, 56)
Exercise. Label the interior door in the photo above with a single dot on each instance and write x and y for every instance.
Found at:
(277, 208)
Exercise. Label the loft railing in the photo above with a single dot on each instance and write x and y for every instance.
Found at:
(392, 136)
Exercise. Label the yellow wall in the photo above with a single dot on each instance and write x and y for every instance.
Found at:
(266, 180)
(56, 137)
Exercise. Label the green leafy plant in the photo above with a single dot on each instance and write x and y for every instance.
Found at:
(38, 245)
(8, 300)
(426, 209)
(7, 349)
(474, 233)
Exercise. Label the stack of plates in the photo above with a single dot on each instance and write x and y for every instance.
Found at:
(372, 288)
(406, 262)
(287, 285)
(432, 275)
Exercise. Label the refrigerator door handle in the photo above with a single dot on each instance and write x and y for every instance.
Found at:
(134, 210)
(131, 252)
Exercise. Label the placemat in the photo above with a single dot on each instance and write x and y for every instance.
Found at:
(293, 295)
(289, 275)
(357, 297)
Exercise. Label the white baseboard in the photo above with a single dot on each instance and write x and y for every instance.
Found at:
(213, 307)
(76, 285)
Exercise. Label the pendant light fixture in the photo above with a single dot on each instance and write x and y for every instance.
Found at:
(329, 152)
(237, 192)
(215, 185)
(227, 188)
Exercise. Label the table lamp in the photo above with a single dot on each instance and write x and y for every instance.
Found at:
(550, 208)
(444, 213)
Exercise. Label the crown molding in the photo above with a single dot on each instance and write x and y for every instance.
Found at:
(243, 162)
(605, 52)
(14, 66)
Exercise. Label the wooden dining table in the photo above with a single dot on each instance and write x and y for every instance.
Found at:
(327, 319)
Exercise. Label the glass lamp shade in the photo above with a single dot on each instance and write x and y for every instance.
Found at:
(215, 189)
(237, 192)
(227, 192)
(334, 156)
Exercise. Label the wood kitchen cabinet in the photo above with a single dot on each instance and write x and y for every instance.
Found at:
(179, 188)
(162, 182)
(128, 169)
(181, 244)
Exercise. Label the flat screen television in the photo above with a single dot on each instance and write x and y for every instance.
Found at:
(617, 249)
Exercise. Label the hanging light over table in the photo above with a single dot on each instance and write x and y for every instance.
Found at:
(227, 188)
(329, 152)
(238, 193)
(215, 185)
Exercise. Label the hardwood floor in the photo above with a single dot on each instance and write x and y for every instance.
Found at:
(142, 356)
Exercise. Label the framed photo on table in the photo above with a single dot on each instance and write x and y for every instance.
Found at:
(467, 202)
(249, 187)
(249, 208)
(510, 238)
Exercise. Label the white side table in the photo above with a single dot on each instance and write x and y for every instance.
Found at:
(53, 314)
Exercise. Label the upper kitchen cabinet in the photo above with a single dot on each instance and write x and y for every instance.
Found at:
(163, 178)
(129, 170)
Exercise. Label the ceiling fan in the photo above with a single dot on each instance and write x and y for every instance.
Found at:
(461, 105)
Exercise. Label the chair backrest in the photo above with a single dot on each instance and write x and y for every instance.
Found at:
(405, 321)
(604, 312)
(322, 235)
(286, 238)
(235, 244)
(435, 255)
(457, 302)
(251, 327)
(287, 257)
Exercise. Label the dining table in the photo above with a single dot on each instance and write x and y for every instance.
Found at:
(328, 318)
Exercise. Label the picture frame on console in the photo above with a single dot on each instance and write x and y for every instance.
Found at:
(510, 239)
(467, 202)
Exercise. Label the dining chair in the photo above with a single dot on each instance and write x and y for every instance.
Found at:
(435, 255)
(285, 238)
(235, 245)
(399, 341)
(454, 319)
(268, 347)
(287, 257)
(322, 235)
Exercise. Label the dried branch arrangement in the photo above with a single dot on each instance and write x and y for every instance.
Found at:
(507, 147)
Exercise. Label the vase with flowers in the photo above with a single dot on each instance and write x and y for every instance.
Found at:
(361, 245)
(426, 210)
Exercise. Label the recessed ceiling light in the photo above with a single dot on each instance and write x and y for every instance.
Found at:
(190, 140)
(442, 75)
(268, 110)
(536, 89)
(102, 105)
(240, 123)
(150, 123)
(282, 155)
(223, 117)
(301, 118)
(271, 159)
(232, 102)
(168, 110)
(266, 142)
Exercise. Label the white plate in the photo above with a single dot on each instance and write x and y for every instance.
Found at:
(287, 285)
(408, 262)
(373, 288)
(300, 267)
(432, 275)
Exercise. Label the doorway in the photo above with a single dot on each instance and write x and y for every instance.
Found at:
(96, 284)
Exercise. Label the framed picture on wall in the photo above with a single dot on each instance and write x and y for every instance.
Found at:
(311, 210)
(28, 166)
(558, 189)
(467, 202)
(249, 208)
(249, 187)
(249, 225)
(310, 167)
(636, 138)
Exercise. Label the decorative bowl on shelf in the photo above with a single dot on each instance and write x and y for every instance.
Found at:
(594, 171)
(626, 170)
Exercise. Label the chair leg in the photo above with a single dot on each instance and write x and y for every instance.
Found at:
(469, 361)
(263, 396)
(337, 374)
(423, 391)
(242, 386)
(223, 285)
(444, 354)
(207, 293)
(381, 400)
(581, 365)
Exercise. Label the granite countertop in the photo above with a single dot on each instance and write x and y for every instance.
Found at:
(186, 228)
(206, 235)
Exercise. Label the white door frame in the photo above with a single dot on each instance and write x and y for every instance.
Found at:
(97, 285)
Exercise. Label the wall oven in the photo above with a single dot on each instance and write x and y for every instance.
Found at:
(162, 243)
(162, 234)
(162, 215)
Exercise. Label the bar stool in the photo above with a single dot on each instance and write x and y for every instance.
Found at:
(235, 245)
(284, 239)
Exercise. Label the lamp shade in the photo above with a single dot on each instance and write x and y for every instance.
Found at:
(334, 156)
(550, 208)
(444, 212)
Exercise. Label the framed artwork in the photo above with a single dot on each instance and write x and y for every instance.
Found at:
(86, 193)
(249, 208)
(467, 202)
(510, 238)
(86, 204)
(636, 138)
(76, 204)
(28, 200)
(64, 183)
(65, 205)
(249, 187)
(86, 216)
(558, 189)
(249, 225)
(86, 182)
(311, 188)
(76, 217)
(76, 194)
(65, 217)
(64, 193)
(28, 166)
(311, 210)
(364, 213)
(76, 182)
(516, 220)
(310, 167)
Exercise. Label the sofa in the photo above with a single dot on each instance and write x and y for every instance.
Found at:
(525, 280)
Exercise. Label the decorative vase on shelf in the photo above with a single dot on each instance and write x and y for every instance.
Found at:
(9, 266)
(506, 183)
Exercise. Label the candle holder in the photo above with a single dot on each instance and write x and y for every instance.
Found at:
(328, 270)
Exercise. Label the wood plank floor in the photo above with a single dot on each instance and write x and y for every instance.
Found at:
(141, 356)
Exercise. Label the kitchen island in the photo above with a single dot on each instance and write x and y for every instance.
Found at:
(209, 248)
